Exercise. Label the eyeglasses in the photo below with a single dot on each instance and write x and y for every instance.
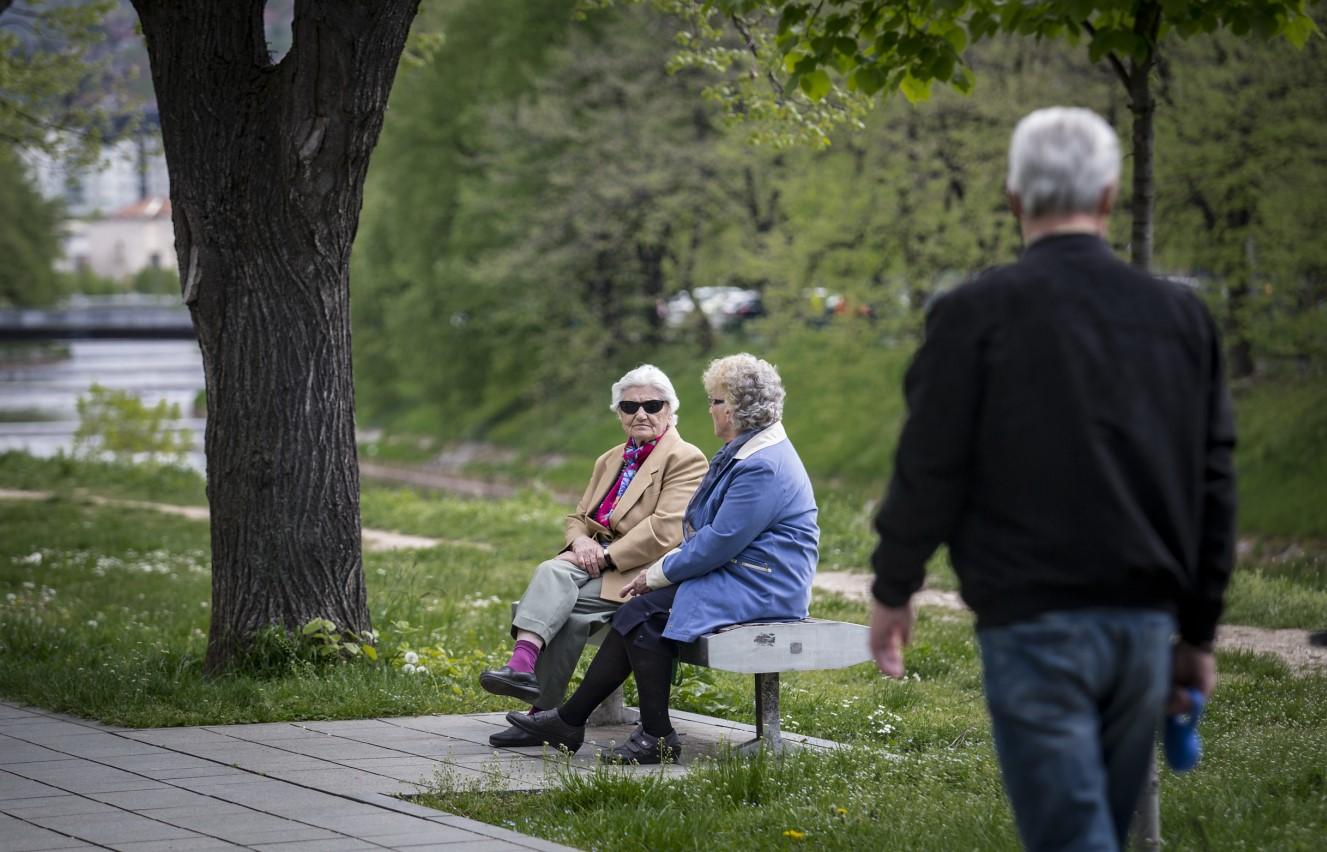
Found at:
(716, 402)
(651, 406)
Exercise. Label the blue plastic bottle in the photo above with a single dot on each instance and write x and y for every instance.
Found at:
(1181, 742)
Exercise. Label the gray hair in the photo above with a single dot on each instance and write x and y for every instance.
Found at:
(751, 388)
(1061, 160)
(647, 376)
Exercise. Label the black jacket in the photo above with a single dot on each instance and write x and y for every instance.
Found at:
(1069, 435)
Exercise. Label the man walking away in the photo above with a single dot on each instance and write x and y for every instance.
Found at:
(1069, 436)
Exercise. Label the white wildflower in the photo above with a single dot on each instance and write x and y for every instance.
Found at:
(421, 669)
(408, 668)
(411, 657)
(30, 559)
(92, 623)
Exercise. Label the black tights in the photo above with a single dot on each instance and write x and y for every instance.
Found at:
(617, 658)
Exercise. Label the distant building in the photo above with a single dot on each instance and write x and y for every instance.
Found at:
(136, 237)
(128, 170)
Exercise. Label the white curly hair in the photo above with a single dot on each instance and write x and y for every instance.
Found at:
(750, 386)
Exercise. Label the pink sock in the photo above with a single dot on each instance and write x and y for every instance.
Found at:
(523, 656)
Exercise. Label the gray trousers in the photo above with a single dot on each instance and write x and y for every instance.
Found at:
(561, 606)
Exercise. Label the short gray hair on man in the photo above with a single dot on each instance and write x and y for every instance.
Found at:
(751, 388)
(647, 376)
(1060, 161)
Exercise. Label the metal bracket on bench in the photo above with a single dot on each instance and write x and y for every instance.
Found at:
(768, 730)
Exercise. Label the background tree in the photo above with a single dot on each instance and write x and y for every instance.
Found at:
(29, 238)
(874, 46)
(1242, 144)
(267, 163)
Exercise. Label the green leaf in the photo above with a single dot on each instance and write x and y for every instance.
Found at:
(816, 84)
(867, 79)
(1299, 29)
(916, 91)
(845, 45)
(964, 80)
(371, 652)
(792, 15)
(790, 61)
(957, 38)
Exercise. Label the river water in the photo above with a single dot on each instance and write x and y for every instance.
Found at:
(38, 401)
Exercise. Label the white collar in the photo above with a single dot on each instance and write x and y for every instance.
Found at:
(767, 437)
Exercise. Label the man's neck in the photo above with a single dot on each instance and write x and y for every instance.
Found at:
(1051, 226)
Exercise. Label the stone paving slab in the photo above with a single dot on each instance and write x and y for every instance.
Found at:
(319, 785)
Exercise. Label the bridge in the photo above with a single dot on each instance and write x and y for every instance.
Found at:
(119, 318)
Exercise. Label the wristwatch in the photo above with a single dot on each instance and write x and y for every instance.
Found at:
(608, 559)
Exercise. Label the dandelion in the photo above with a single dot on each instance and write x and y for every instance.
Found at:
(11, 597)
(92, 623)
(411, 657)
(421, 669)
(408, 668)
(841, 811)
(203, 604)
(30, 559)
(28, 584)
(794, 834)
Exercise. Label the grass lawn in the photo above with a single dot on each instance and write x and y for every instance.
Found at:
(103, 613)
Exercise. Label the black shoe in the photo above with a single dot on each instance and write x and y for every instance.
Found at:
(504, 681)
(641, 748)
(514, 737)
(547, 727)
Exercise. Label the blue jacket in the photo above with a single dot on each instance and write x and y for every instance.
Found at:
(750, 542)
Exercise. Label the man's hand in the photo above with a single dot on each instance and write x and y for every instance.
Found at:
(891, 629)
(1191, 668)
(636, 587)
(589, 554)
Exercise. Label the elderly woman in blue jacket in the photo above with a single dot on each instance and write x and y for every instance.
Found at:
(749, 551)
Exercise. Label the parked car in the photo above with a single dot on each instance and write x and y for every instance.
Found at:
(723, 307)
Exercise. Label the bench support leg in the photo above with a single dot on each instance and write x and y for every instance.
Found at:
(613, 711)
(768, 731)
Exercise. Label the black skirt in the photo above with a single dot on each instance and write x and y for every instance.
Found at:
(642, 620)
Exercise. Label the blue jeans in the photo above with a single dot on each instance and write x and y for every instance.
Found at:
(1076, 697)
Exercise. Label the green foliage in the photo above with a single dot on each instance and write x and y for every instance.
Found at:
(63, 475)
(1246, 192)
(52, 89)
(156, 280)
(29, 235)
(1281, 457)
(275, 652)
(117, 423)
(795, 55)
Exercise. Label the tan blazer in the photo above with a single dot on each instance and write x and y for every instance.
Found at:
(647, 522)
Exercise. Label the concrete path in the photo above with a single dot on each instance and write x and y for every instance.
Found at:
(66, 783)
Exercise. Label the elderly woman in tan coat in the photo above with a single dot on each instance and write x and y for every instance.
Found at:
(629, 516)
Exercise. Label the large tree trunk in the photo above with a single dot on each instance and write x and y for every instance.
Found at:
(267, 165)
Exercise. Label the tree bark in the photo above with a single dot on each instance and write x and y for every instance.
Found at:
(267, 164)
(1147, 25)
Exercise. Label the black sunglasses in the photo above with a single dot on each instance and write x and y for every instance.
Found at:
(651, 406)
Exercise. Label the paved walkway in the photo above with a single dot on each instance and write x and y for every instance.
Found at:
(66, 783)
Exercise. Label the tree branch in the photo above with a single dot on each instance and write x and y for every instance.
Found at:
(751, 46)
(1115, 63)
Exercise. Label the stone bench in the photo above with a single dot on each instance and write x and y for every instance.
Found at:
(763, 649)
(766, 649)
